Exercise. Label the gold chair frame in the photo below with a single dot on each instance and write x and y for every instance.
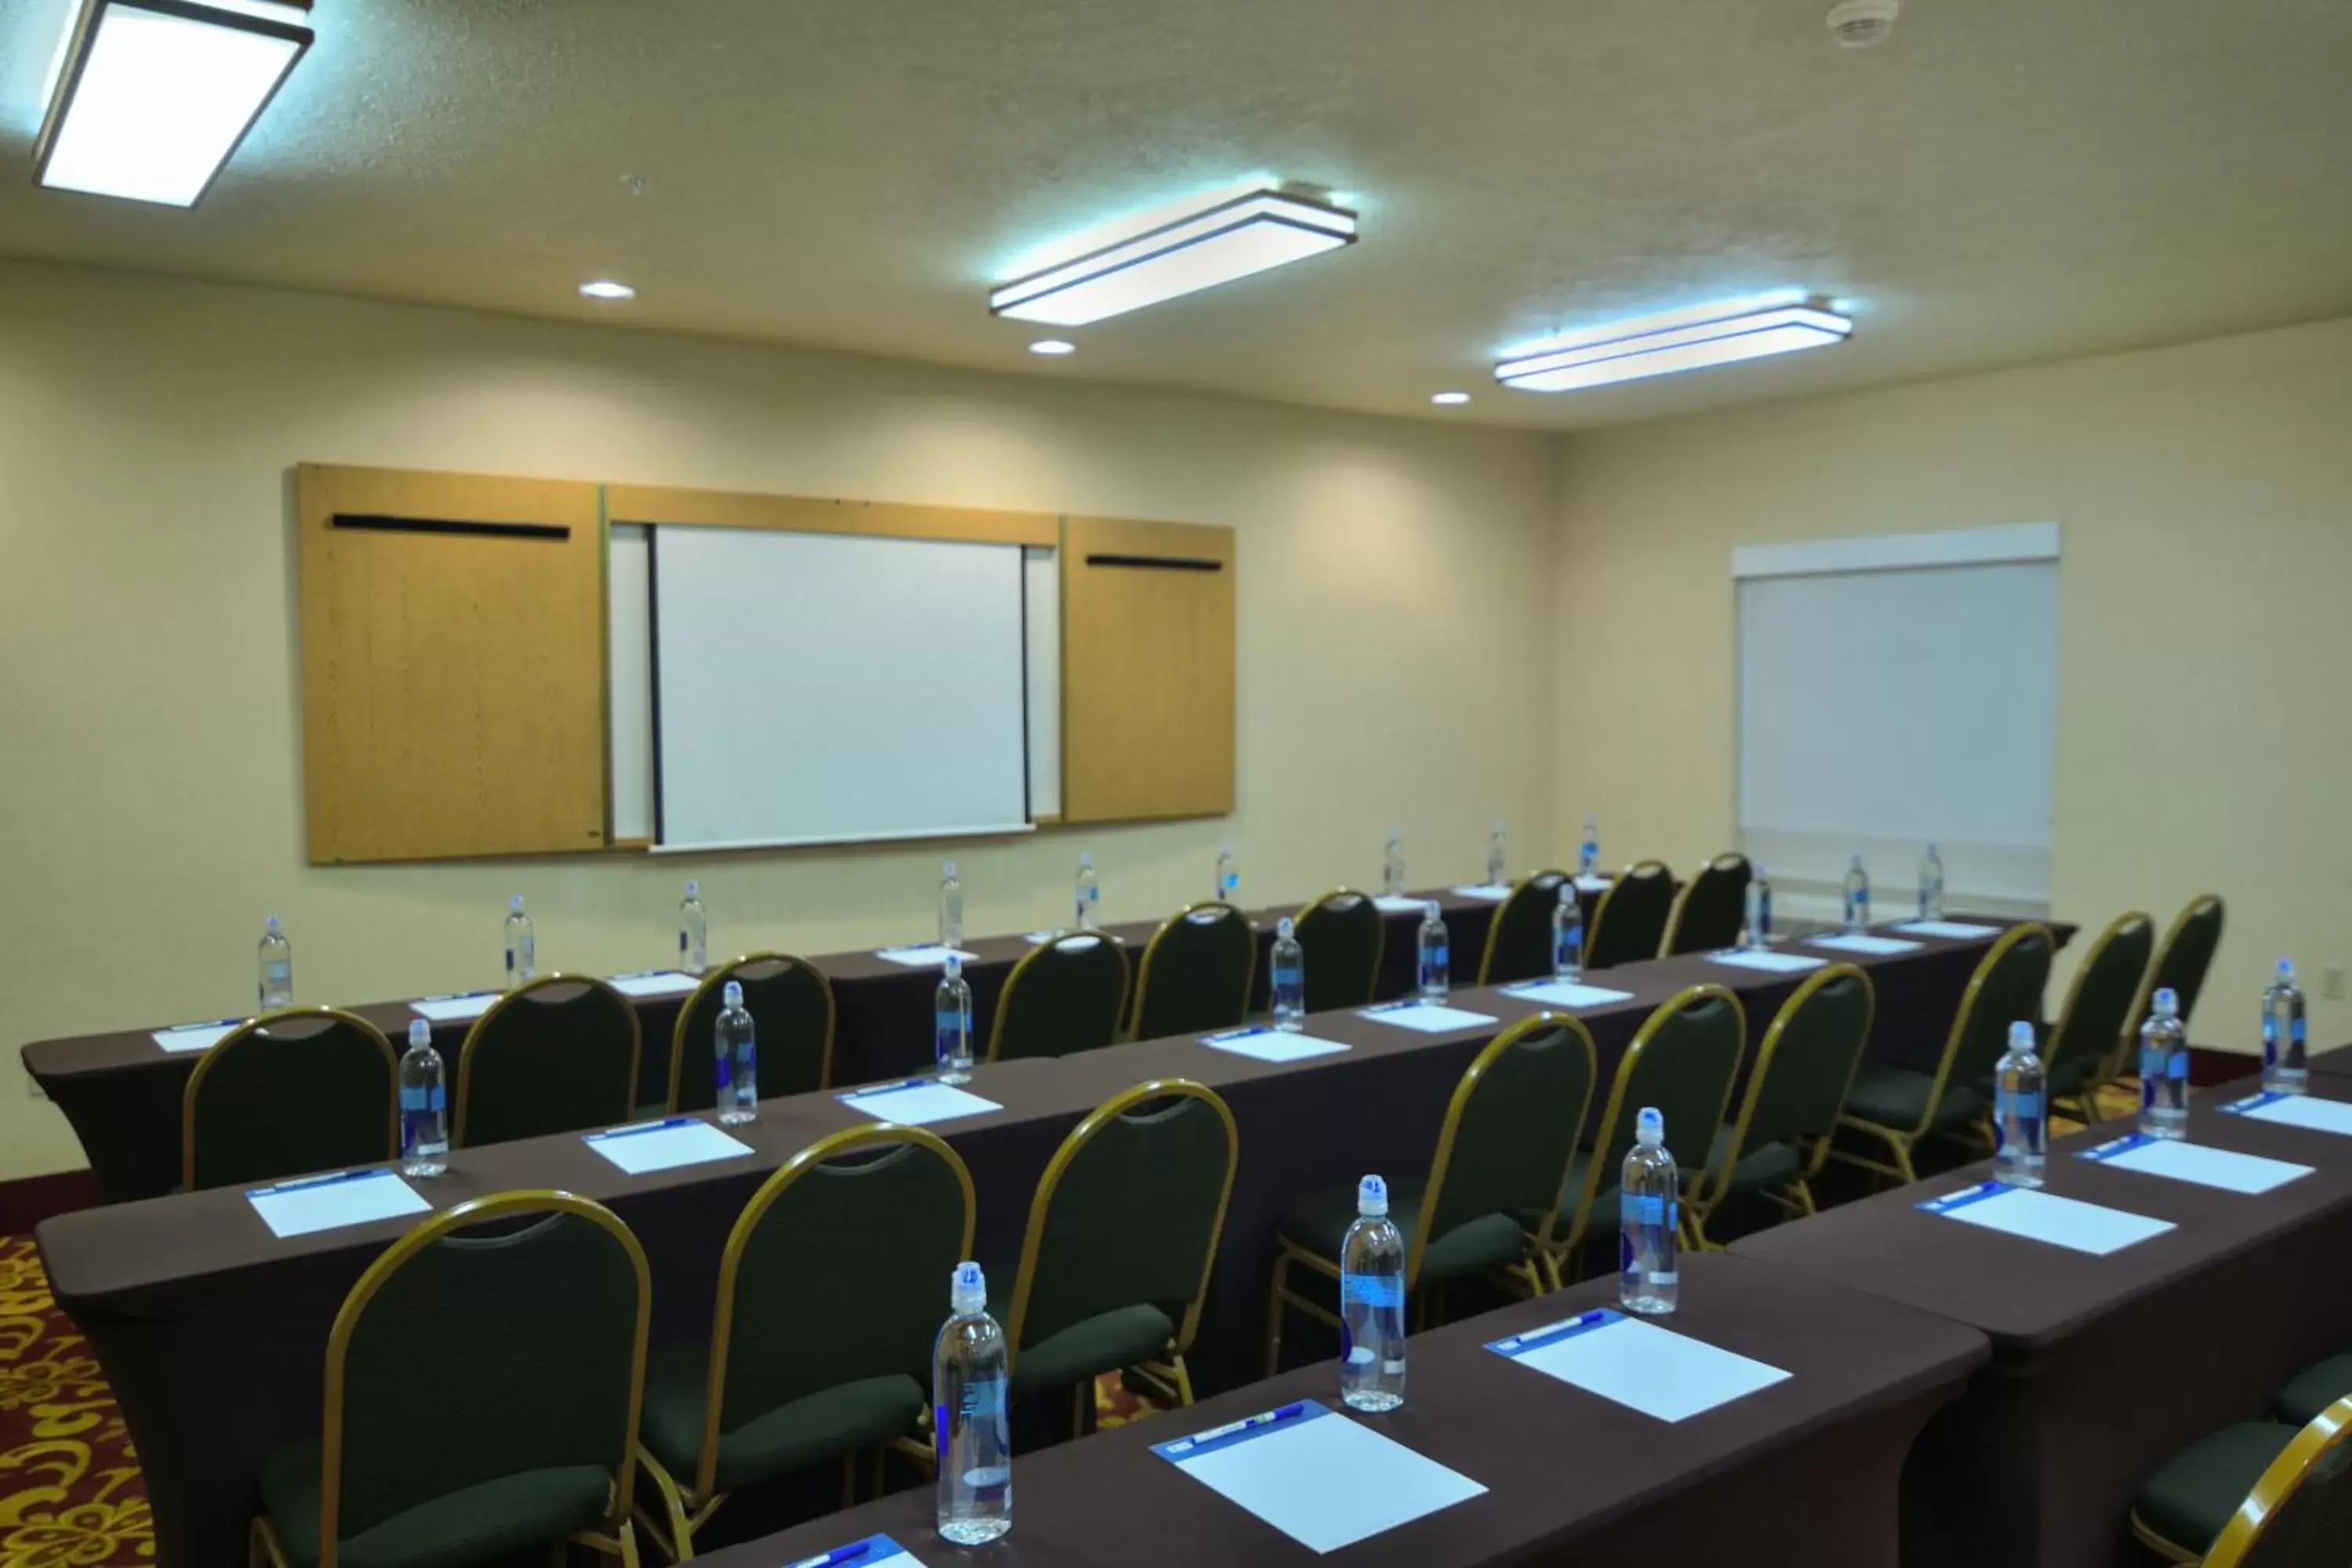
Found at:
(263, 1025)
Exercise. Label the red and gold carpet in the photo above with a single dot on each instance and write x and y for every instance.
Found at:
(71, 1492)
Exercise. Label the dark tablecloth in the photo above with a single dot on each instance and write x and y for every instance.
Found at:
(2102, 1367)
(1802, 1473)
(2336, 1063)
(213, 1332)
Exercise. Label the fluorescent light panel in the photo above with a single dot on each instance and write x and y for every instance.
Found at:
(1690, 339)
(152, 96)
(1233, 238)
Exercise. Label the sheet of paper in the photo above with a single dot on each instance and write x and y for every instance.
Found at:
(1426, 1018)
(931, 955)
(916, 1102)
(2047, 1217)
(1486, 890)
(1272, 1045)
(1957, 930)
(1565, 993)
(2185, 1162)
(330, 1202)
(1592, 884)
(1766, 959)
(454, 1009)
(1639, 1365)
(1320, 1479)
(2295, 1110)
(1398, 904)
(871, 1552)
(664, 1145)
(196, 1036)
(655, 982)
(1858, 942)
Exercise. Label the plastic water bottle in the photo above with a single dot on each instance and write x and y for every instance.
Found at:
(1857, 897)
(1371, 1304)
(1392, 865)
(950, 906)
(970, 1384)
(1229, 874)
(1089, 894)
(522, 946)
(693, 932)
(1434, 968)
(2164, 1069)
(1588, 849)
(2021, 1132)
(423, 1105)
(1568, 935)
(737, 1059)
(1757, 924)
(2282, 1034)
(1649, 1210)
(1498, 856)
(952, 1021)
(1288, 986)
(1931, 885)
(276, 967)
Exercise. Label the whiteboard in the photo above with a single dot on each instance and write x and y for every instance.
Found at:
(819, 688)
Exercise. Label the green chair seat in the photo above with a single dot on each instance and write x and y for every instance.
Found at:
(1897, 1098)
(2314, 1389)
(1108, 1341)
(1318, 1225)
(819, 1427)
(478, 1523)
(2189, 1500)
(1765, 1168)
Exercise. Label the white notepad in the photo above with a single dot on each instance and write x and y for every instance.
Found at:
(454, 1009)
(1398, 904)
(2047, 1217)
(1565, 993)
(1957, 930)
(1638, 1365)
(1766, 959)
(196, 1036)
(333, 1201)
(931, 955)
(916, 1102)
(1271, 1044)
(655, 982)
(1486, 890)
(1320, 1479)
(1856, 941)
(2295, 1110)
(1428, 1018)
(871, 1552)
(2185, 1162)
(664, 1145)
(1592, 884)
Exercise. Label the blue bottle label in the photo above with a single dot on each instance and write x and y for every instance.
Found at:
(2177, 1070)
(1440, 958)
(2295, 1031)
(413, 1100)
(1372, 1290)
(2026, 1107)
(1290, 975)
(681, 940)
(1649, 1210)
(2147, 1088)
(510, 961)
(723, 1074)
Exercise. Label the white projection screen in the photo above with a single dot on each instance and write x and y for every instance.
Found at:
(820, 688)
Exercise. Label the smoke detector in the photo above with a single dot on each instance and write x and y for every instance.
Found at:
(1859, 24)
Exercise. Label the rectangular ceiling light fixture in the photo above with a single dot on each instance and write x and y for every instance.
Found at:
(1200, 250)
(1690, 339)
(149, 98)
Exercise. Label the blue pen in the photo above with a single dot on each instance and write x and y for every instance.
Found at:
(885, 1088)
(456, 996)
(1268, 1418)
(834, 1558)
(328, 1179)
(216, 1023)
(1228, 1035)
(635, 1128)
(1580, 1320)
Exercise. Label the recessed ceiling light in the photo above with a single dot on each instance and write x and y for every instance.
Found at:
(606, 288)
(1051, 346)
(1689, 339)
(1449, 398)
(146, 101)
(1261, 227)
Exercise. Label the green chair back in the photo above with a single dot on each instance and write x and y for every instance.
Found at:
(306, 1089)
(1510, 1131)
(1065, 995)
(1630, 924)
(458, 1360)
(790, 1004)
(1196, 974)
(1711, 908)
(555, 1054)
(1803, 1068)
(1682, 1061)
(2299, 1514)
(1519, 939)
(1341, 935)
(2189, 949)
(2007, 987)
(1128, 1212)
(2097, 1017)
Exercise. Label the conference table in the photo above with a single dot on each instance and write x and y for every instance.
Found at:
(121, 1091)
(1801, 1473)
(2336, 1063)
(212, 1331)
(2102, 1366)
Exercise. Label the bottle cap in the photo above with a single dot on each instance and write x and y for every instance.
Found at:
(2020, 1035)
(1857, 860)
(968, 1288)
(420, 1033)
(1226, 847)
(1568, 893)
(1372, 1196)
(1650, 1128)
(947, 868)
(270, 924)
(1086, 857)
(1931, 846)
(1498, 824)
(1396, 835)
(955, 966)
(514, 905)
(1282, 930)
(2285, 965)
(2166, 1005)
(1429, 911)
(693, 888)
(733, 995)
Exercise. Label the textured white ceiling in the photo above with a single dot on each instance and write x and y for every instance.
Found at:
(2005, 181)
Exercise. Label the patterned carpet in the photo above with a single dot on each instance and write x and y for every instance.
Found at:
(71, 1492)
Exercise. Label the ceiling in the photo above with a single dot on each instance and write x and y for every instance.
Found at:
(2004, 181)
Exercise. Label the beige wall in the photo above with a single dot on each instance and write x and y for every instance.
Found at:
(150, 774)
(2205, 498)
